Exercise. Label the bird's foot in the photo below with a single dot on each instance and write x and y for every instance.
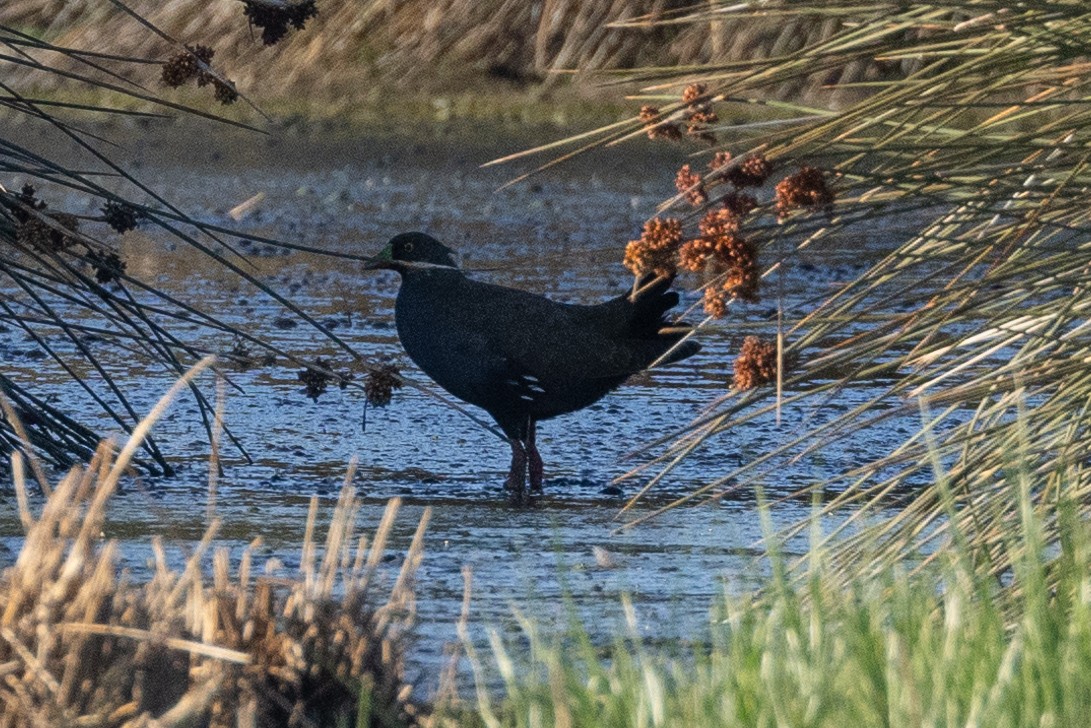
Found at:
(535, 468)
(520, 498)
(516, 483)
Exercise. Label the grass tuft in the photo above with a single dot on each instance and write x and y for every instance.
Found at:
(943, 644)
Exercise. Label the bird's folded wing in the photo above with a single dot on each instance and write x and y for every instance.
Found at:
(553, 340)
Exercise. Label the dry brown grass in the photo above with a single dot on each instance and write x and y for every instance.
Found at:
(434, 46)
(82, 646)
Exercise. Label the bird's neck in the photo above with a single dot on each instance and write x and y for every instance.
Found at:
(421, 286)
(426, 277)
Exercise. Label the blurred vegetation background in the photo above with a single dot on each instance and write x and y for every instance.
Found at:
(357, 53)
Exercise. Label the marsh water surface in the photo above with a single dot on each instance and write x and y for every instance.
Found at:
(561, 233)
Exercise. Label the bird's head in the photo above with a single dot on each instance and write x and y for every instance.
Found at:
(410, 251)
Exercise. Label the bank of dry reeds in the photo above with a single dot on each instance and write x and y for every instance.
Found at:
(349, 47)
(206, 643)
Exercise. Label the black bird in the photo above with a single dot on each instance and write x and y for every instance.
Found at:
(519, 356)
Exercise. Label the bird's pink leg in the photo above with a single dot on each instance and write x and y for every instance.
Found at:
(537, 471)
(516, 483)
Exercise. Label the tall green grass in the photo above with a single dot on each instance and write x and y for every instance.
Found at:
(941, 644)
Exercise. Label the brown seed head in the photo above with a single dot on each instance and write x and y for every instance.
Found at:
(718, 222)
(666, 130)
(693, 92)
(694, 255)
(27, 197)
(658, 129)
(657, 249)
(725, 251)
(719, 160)
(380, 384)
(120, 216)
(699, 113)
(70, 223)
(225, 92)
(178, 69)
(691, 186)
(805, 188)
(756, 363)
(315, 378)
(743, 277)
(205, 54)
(752, 172)
(108, 267)
(698, 119)
(274, 20)
(739, 204)
(700, 132)
(182, 66)
(41, 235)
(715, 302)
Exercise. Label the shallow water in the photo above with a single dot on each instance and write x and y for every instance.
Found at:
(561, 233)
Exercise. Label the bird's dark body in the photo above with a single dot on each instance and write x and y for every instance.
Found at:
(519, 356)
(515, 355)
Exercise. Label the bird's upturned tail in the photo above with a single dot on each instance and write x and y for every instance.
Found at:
(649, 322)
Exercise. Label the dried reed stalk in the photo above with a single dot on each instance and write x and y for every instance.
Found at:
(79, 646)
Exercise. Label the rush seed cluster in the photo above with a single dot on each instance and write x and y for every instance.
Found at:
(656, 251)
(194, 63)
(316, 378)
(756, 363)
(806, 188)
(696, 116)
(657, 128)
(724, 253)
(699, 113)
(380, 384)
(54, 232)
(185, 65)
(120, 216)
(275, 19)
(107, 266)
(53, 236)
(719, 251)
(691, 185)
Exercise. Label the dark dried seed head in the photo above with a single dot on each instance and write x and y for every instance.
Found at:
(108, 267)
(120, 216)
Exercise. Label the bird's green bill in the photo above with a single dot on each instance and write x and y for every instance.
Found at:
(383, 260)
